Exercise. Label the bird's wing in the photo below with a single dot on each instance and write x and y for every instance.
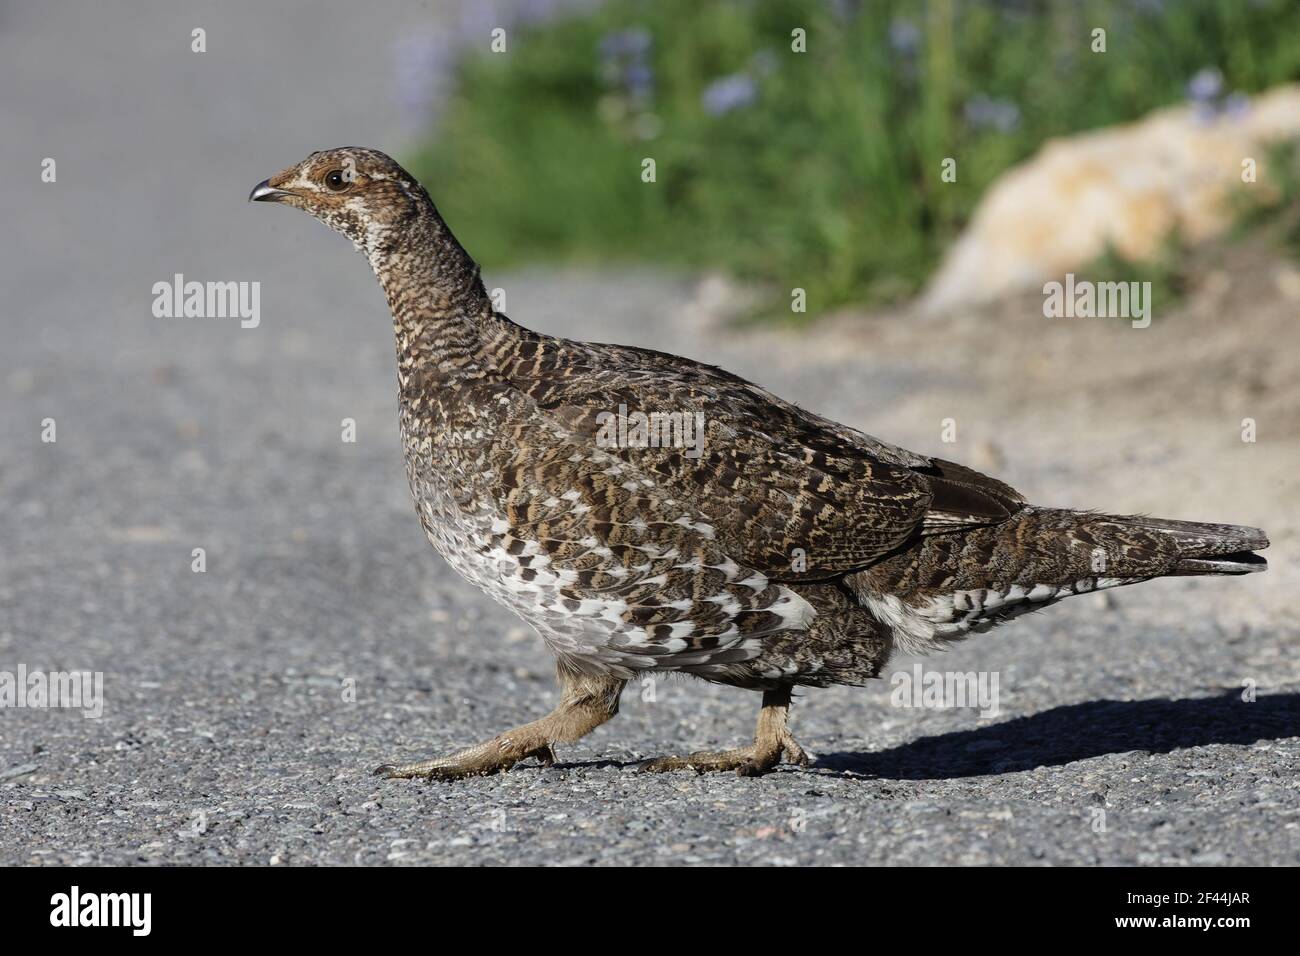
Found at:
(634, 576)
(790, 493)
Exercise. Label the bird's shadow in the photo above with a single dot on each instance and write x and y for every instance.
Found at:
(1078, 731)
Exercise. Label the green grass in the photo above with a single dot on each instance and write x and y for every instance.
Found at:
(1274, 209)
(829, 180)
(1167, 271)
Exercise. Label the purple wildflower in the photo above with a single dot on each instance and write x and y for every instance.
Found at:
(625, 62)
(1236, 105)
(423, 63)
(1206, 86)
(633, 43)
(904, 36)
(729, 93)
(983, 112)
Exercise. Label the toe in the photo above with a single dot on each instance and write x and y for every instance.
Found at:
(664, 765)
(655, 765)
(793, 752)
(452, 773)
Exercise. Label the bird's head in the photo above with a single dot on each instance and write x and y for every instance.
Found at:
(361, 193)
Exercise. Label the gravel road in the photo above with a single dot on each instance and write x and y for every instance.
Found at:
(244, 706)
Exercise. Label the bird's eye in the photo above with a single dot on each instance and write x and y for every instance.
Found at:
(336, 181)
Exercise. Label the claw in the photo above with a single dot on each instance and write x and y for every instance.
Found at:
(794, 753)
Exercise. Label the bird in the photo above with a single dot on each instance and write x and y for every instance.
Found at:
(646, 513)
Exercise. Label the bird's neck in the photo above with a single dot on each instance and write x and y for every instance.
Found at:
(437, 301)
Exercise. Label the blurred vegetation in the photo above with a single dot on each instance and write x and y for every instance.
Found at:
(1167, 271)
(818, 170)
(1276, 210)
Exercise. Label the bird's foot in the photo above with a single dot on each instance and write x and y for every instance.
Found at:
(793, 752)
(496, 756)
(755, 760)
(587, 702)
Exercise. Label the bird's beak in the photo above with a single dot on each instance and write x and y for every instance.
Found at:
(265, 192)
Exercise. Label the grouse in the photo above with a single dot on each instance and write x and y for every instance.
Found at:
(776, 548)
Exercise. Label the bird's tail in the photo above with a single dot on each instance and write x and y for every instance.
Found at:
(943, 586)
(1056, 546)
(1207, 548)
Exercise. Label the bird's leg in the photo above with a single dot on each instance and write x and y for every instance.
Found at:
(772, 741)
(586, 702)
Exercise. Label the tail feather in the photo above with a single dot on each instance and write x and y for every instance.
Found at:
(942, 586)
(1209, 548)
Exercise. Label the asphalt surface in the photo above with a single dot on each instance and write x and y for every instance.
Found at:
(245, 705)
